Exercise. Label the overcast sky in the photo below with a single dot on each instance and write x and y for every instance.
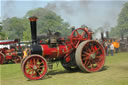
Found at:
(93, 14)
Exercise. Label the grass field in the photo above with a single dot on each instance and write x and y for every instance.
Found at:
(115, 73)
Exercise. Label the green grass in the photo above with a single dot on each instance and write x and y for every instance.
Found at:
(115, 73)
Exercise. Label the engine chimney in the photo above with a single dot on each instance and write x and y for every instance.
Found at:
(107, 35)
(33, 20)
(102, 36)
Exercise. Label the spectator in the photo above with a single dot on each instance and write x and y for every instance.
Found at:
(112, 49)
(106, 47)
(117, 46)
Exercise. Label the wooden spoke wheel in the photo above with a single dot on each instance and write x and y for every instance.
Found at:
(79, 35)
(2, 58)
(17, 59)
(34, 67)
(90, 56)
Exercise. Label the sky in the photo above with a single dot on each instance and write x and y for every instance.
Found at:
(93, 13)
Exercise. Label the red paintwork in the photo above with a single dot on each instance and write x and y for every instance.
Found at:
(79, 37)
(55, 52)
(35, 61)
(62, 51)
(68, 59)
(88, 61)
(8, 57)
(33, 18)
(8, 53)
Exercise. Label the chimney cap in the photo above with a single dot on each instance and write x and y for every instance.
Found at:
(33, 18)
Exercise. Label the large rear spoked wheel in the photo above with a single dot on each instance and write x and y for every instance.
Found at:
(90, 56)
(34, 67)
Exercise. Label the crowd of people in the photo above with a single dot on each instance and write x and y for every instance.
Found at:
(111, 46)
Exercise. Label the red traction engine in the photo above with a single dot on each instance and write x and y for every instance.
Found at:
(77, 52)
(11, 54)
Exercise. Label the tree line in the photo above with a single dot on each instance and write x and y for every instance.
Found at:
(20, 27)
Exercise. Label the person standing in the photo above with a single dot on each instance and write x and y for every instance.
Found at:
(106, 47)
(117, 46)
(112, 49)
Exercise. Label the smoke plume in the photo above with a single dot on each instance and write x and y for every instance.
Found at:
(8, 8)
(93, 14)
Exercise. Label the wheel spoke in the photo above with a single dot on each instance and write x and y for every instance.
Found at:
(91, 65)
(29, 65)
(28, 68)
(86, 53)
(91, 47)
(99, 48)
(30, 71)
(41, 66)
(88, 50)
(86, 58)
(33, 74)
(75, 38)
(87, 62)
(82, 34)
(77, 33)
(77, 43)
(34, 61)
(39, 73)
(99, 59)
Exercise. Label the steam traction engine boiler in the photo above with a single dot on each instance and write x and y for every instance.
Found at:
(76, 52)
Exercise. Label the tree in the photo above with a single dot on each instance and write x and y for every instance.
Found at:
(2, 34)
(13, 27)
(48, 19)
(20, 27)
(122, 25)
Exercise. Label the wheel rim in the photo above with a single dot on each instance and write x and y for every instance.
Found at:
(1, 58)
(34, 67)
(92, 56)
(79, 35)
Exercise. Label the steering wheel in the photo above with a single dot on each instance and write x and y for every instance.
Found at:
(79, 35)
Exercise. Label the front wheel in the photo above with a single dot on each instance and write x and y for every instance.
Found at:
(34, 67)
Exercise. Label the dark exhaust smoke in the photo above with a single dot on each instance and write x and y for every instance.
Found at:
(33, 20)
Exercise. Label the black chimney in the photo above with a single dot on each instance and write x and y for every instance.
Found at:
(107, 35)
(102, 36)
(33, 29)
